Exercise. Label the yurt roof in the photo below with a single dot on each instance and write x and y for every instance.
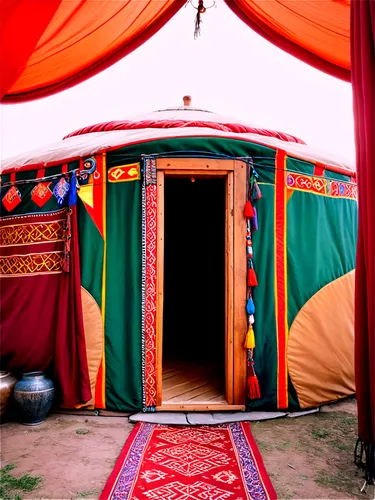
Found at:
(179, 122)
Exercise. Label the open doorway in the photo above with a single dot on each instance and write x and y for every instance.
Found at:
(193, 359)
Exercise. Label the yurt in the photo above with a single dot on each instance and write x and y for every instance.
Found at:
(182, 261)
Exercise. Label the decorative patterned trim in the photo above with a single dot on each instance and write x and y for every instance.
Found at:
(321, 186)
(149, 327)
(343, 190)
(251, 473)
(143, 294)
(34, 215)
(281, 297)
(32, 233)
(124, 173)
(129, 461)
(32, 263)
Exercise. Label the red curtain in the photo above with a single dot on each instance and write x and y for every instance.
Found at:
(20, 31)
(41, 311)
(363, 81)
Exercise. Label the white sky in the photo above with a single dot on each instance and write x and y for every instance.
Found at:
(229, 70)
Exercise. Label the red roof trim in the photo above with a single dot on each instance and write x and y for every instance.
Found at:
(223, 127)
(34, 166)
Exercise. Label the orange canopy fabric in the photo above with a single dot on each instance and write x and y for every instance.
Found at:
(50, 45)
(316, 31)
(82, 38)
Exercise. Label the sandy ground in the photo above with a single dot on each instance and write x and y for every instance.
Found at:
(306, 457)
(72, 464)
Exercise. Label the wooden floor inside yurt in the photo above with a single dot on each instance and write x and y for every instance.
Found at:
(193, 370)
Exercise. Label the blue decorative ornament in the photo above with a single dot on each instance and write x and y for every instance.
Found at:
(72, 200)
(89, 165)
(61, 190)
(250, 307)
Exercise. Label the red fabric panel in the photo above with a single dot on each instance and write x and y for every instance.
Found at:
(224, 127)
(70, 350)
(41, 318)
(363, 81)
(20, 31)
(281, 306)
(315, 32)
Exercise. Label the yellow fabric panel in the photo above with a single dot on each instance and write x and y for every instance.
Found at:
(321, 345)
(92, 320)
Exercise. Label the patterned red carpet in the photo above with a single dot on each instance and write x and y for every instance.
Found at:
(162, 462)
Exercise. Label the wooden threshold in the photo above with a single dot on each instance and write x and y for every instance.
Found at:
(200, 407)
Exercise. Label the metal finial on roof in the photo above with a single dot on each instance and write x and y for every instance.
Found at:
(187, 100)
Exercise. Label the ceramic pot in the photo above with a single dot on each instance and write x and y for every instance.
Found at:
(7, 383)
(34, 395)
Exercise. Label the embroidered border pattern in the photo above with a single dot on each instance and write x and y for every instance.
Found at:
(319, 185)
(342, 189)
(143, 294)
(35, 232)
(131, 465)
(149, 332)
(306, 183)
(18, 265)
(124, 173)
(250, 472)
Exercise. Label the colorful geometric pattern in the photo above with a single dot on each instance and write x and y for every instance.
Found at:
(49, 262)
(319, 185)
(12, 198)
(182, 463)
(38, 232)
(343, 190)
(61, 190)
(124, 173)
(149, 270)
(41, 193)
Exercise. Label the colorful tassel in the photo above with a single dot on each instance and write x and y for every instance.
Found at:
(72, 199)
(251, 277)
(254, 389)
(249, 210)
(256, 192)
(250, 307)
(251, 319)
(250, 338)
(252, 382)
(254, 220)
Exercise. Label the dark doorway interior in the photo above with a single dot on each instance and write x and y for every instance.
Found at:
(194, 289)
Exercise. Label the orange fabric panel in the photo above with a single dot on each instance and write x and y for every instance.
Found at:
(86, 36)
(321, 345)
(92, 320)
(19, 36)
(315, 31)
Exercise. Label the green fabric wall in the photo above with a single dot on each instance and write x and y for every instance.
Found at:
(123, 297)
(321, 244)
(265, 353)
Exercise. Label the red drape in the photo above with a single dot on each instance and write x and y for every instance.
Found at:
(20, 31)
(41, 314)
(363, 81)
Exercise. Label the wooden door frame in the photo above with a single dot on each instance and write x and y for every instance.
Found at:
(234, 172)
